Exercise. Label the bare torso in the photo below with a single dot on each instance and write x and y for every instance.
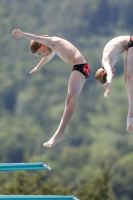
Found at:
(65, 50)
(113, 49)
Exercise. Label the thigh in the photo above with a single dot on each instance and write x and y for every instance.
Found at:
(128, 65)
(129, 62)
(75, 83)
(125, 67)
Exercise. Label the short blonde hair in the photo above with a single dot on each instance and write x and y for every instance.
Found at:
(34, 46)
(101, 75)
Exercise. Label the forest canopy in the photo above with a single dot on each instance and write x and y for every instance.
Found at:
(96, 143)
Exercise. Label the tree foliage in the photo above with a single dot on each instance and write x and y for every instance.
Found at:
(32, 104)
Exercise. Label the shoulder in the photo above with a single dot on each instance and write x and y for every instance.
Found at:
(54, 38)
(58, 39)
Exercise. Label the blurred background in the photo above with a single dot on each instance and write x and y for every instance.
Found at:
(95, 160)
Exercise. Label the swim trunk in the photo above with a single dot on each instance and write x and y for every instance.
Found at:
(83, 68)
(130, 43)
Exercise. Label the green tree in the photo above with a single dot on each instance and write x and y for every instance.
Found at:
(97, 188)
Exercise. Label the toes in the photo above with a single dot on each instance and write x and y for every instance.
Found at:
(47, 145)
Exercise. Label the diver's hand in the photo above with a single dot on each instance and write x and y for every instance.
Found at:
(17, 33)
(107, 86)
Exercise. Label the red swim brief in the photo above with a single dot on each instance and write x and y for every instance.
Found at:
(130, 43)
(83, 68)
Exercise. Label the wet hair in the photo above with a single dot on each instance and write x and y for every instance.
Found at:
(34, 46)
(101, 75)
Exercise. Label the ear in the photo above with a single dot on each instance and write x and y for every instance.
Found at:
(104, 72)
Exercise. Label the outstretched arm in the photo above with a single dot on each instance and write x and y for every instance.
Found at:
(41, 39)
(42, 62)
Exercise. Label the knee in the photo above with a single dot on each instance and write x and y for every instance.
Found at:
(130, 115)
(125, 79)
(70, 100)
(129, 78)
